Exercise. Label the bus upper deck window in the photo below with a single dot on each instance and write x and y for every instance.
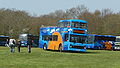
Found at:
(75, 24)
(83, 25)
(60, 24)
(66, 24)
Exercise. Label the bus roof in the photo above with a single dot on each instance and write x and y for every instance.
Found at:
(4, 36)
(73, 20)
(101, 35)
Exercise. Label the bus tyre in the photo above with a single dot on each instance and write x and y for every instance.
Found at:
(45, 47)
(60, 48)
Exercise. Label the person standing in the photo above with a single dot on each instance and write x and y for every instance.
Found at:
(12, 45)
(19, 45)
(29, 43)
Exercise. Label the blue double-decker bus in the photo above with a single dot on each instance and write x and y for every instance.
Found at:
(69, 34)
(99, 41)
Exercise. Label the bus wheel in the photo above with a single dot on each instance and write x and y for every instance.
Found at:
(60, 48)
(45, 47)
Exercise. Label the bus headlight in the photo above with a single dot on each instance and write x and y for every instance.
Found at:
(70, 46)
(84, 47)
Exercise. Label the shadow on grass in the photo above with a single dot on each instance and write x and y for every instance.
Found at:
(74, 52)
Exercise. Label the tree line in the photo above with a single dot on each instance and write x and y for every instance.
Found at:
(14, 22)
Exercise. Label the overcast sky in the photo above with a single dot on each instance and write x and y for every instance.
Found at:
(40, 7)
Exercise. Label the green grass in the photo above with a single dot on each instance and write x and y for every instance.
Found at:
(52, 59)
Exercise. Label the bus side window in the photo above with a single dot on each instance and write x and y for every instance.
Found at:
(50, 37)
(45, 37)
(54, 37)
(66, 37)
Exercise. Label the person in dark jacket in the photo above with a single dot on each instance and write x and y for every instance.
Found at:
(12, 45)
(29, 43)
(19, 45)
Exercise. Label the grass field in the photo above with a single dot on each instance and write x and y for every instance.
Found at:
(53, 59)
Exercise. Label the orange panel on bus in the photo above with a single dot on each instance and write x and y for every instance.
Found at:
(54, 45)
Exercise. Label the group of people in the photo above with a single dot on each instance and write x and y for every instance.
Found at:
(13, 43)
